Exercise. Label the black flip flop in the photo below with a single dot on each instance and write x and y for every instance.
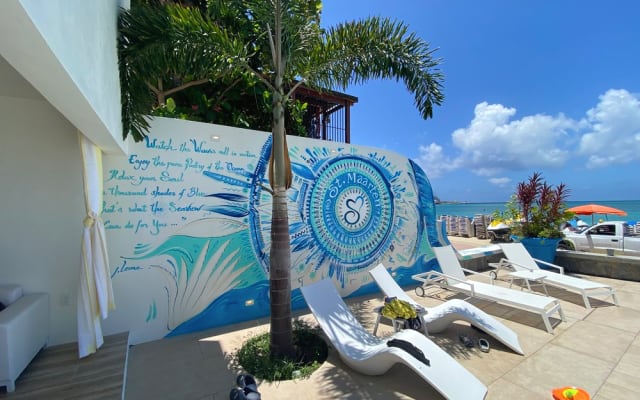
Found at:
(466, 340)
(484, 345)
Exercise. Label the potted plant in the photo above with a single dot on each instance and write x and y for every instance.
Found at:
(536, 212)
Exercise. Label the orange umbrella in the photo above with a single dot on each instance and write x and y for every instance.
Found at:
(590, 209)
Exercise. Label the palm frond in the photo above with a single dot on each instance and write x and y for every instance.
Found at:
(379, 48)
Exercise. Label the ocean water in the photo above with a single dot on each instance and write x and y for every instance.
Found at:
(631, 207)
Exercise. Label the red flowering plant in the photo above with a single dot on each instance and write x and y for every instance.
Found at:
(538, 209)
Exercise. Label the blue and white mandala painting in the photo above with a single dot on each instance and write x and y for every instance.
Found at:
(349, 209)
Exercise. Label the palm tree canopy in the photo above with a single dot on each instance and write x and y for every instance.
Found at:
(236, 37)
(379, 48)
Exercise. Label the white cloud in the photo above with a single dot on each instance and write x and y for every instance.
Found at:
(493, 143)
(614, 135)
(500, 182)
(433, 160)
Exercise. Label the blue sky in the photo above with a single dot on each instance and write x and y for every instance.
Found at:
(547, 86)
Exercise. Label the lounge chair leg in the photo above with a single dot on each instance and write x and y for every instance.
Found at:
(586, 301)
(375, 327)
(545, 288)
(547, 324)
(562, 317)
(547, 314)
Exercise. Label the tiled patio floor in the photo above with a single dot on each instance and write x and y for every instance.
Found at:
(598, 350)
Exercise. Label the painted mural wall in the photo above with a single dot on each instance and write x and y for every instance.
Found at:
(188, 214)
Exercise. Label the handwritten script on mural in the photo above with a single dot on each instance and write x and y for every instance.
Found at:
(161, 184)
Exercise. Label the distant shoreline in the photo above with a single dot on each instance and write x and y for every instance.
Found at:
(468, 202)
(466, 209)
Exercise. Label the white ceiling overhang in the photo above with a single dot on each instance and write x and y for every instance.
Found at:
(25, 48)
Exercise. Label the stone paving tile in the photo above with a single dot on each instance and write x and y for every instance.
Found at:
(505, 390)
(618, 317)
(584, 334)
(630, 362)
(531, 339)
(178, 378)
(629, 298)
(556, 366)
(334, 380)
(210, 348)
(152, 353)
(619, 386)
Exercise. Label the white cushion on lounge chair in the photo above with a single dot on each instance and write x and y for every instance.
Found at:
(438, 318)
(519, 259)
(453, 277)
(370, 355)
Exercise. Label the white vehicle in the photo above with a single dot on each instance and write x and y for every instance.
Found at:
(605, 237)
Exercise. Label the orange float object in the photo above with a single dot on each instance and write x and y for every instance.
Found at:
(570, 393)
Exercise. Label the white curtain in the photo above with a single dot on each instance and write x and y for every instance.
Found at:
(95, 294)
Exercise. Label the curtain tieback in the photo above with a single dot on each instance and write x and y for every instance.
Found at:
(90, 220)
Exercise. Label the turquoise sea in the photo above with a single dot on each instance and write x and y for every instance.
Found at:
(632, 208)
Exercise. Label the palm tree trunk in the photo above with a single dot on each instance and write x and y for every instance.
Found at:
(280, 172)
(280, 255)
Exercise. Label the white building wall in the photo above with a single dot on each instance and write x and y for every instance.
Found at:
(67, 50)
(82, 34)
(41, 201)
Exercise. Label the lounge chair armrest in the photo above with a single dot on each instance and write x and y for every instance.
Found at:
(437, 278)
(548, 264)
(502, 264)
(472, 272)
(512, 263)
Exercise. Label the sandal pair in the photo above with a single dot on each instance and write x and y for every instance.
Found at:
(469, 343)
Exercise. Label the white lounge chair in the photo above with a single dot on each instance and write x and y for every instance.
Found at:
(370, 355)
(453, 277)
(437, 319)
(519, 260)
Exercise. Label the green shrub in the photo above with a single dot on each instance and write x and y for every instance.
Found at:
(537, 209)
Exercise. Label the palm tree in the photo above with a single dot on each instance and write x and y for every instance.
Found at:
(285, 47)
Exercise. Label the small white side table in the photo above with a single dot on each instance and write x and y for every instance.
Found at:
(529, 278)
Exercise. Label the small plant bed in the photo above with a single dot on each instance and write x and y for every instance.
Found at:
(311, 352)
